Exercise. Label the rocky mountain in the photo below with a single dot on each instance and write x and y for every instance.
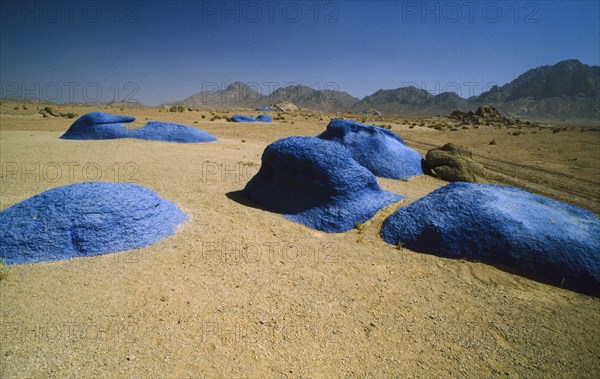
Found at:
(566, 90)
(564, 79)
(318, 100)
(411, 100)
(236, 95)
(240, 95)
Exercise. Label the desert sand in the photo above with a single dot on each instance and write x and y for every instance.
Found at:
(242, 292)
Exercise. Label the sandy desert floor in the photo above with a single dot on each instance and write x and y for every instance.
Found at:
(241, 292)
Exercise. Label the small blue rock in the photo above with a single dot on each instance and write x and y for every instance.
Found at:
(538, 237)
(244, 118)
(264, 118)
(316, 183)
(98, 125)
(85, 219)
(170, 132)
(381, 151)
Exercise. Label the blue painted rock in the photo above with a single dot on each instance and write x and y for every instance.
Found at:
(316, 183)
(264, 118)
(242, 118)
(85, 219)
(381, 151)
(538, 237)
(170, 132)
(98, 125)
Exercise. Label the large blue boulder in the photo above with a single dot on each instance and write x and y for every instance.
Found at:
(244, 118)
(170, 132)
(381, 151)
(538, 237)
(85, 219)
(316, 183)
(98, 125)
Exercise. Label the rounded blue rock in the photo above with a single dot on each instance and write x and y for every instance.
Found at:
(381, 151)
(242, 118)
(538, 237)
(264, 118)
(316, 183)
(85, 219)
(98, 125)
(171, 132)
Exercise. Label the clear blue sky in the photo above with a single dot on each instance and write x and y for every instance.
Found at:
(158, 52)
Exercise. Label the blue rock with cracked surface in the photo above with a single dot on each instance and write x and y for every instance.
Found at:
(381, 151)
(538, 237)
(316, 183)
(83, 220)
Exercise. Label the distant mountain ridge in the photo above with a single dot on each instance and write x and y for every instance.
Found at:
(568, 89)
(411, 100)
(241, 95)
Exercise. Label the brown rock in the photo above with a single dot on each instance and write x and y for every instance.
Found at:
(484, 115)
(48, 111)
(179, 109)
(286, 106)
(455, 164)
